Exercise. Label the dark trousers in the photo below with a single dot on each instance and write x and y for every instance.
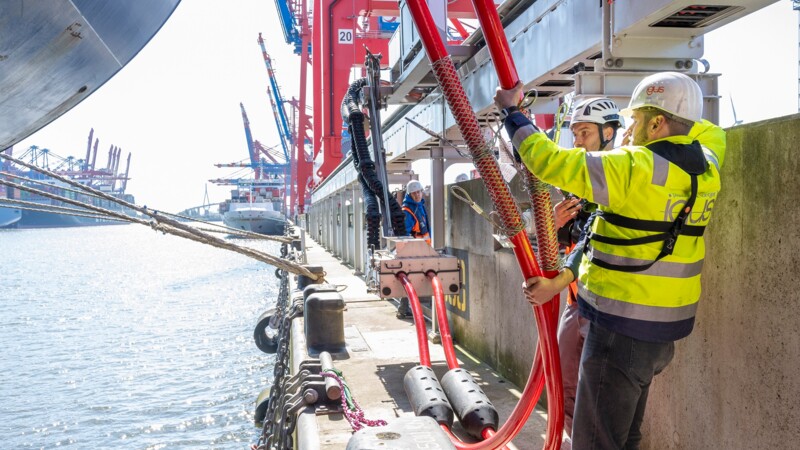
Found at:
(615, 376)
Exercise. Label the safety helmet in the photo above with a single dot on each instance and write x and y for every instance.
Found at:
(671, 92)
(413, 186)
(597, 110)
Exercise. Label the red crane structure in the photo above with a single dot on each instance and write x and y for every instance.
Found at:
(333, 45)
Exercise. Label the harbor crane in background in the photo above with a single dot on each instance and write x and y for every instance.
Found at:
(82, 170)
(286, 129)
(297, 32)
(266, 162)
(333, 45)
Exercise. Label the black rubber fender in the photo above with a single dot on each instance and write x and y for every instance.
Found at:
(262, 404)
(267, 343)
(278, 274)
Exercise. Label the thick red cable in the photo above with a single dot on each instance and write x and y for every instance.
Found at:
(489, 432)
(441, 319)
(419, 321)
(505, 206)
(495, 37)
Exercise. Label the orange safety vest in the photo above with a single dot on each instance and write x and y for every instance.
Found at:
(415, 230)
(572, 292)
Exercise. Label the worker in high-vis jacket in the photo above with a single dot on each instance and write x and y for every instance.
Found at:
(639, 274)
(416, 215)
(594, 124)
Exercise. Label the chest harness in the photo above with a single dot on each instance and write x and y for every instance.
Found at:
(689, 158)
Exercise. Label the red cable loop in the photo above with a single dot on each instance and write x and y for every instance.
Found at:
(506, 207)
(495, 37)
(419, 321)
(441, 319)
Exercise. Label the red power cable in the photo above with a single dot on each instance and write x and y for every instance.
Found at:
(495, 37)
(419, 321)
(507, 210)
(441, 319)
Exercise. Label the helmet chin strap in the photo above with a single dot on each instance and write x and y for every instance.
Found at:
(604, 142)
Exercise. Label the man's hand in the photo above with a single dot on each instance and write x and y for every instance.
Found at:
(566, 210)
(505, 98)
(626, 137)
(540, 290)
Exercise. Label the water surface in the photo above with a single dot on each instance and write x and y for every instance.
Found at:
(122, 337)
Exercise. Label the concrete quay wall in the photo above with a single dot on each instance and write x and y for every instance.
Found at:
(735, 382)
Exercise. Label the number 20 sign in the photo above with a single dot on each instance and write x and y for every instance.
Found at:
(345, 36)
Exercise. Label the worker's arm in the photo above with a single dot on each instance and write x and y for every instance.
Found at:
(599, 177)
(540, 290)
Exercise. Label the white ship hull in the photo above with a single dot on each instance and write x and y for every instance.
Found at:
(255, 219)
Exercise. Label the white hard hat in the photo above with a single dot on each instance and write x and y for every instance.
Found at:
(671, 92)
(413, 186)
(596, 110)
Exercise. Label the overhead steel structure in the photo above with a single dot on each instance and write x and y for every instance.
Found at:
(584, 47)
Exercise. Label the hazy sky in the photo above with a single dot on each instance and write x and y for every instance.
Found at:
(176, 105)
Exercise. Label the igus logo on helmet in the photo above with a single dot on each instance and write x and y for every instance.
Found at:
(653, 89)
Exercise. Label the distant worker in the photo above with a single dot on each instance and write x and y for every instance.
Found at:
(594, 125)
(639, 278)
(416, 215)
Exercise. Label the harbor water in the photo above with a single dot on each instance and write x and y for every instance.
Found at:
(121, 337)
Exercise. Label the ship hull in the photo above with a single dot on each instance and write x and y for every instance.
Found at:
(9, 217)
(39, 219)
(256, 220)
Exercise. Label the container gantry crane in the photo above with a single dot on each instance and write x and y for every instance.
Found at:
(257, 153)
(292, 141)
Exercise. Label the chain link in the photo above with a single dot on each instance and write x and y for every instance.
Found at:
(276, 403)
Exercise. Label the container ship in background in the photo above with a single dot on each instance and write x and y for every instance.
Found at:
(39, 211)
(258, 204)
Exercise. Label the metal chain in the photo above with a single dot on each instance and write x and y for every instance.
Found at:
(277, 396)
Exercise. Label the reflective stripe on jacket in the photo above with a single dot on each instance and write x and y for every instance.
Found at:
(657, 304)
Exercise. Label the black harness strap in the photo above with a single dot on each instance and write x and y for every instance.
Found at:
(666, 232)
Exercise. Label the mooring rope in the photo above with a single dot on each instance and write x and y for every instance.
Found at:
(44, 182)
(38, 207)
(160, 222)
(242, 233)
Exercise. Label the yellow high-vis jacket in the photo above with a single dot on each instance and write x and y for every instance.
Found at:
(640, 272)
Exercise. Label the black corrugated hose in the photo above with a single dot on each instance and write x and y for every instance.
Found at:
(362, 160)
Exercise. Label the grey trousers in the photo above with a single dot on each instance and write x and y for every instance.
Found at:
(572, 330)
(615, 376)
